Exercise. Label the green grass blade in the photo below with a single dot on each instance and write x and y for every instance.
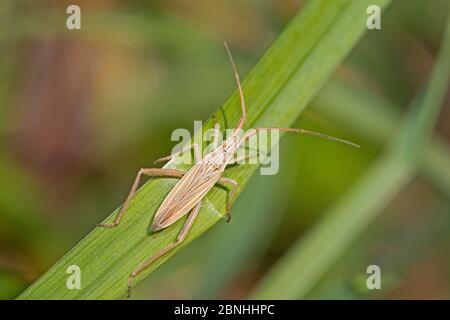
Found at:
(277, 90)
(310, 258)
(376, 119)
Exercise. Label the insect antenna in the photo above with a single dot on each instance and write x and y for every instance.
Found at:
(252, 132)
(321, 135)
(238, 81)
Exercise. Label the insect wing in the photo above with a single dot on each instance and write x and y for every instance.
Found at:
(185, 195)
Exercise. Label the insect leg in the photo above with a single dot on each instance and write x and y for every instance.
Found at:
(153, 172)
(181, 236)
(197, 153)
(233, 185)
(244, 157)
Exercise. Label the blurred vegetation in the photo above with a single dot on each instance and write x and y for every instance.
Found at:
(80, 112)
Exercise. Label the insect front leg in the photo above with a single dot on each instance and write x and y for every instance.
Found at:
(233, 185)
(181, 236)
(152, 172)
(239, 159)
(197, 153)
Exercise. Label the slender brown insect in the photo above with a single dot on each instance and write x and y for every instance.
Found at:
(187, 195)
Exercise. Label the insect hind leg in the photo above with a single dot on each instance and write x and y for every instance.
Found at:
(233, 185)
(181, 236)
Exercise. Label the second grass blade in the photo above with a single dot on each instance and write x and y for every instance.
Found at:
(310, 258)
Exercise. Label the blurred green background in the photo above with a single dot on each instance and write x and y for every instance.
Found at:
(82, 111)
